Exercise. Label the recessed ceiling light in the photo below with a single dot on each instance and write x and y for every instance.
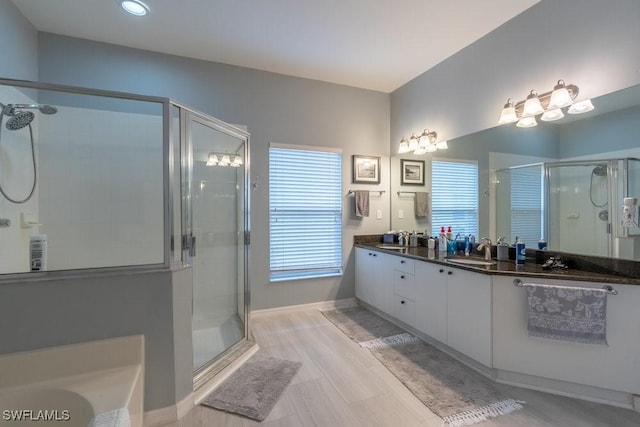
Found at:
(134, 7)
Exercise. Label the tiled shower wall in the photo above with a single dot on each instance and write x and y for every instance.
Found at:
(101, 188)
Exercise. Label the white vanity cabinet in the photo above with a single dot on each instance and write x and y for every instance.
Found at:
(374, 279)
(615, 366)
(431, 300)
(404, 289)
(469, 314)
(454, 307)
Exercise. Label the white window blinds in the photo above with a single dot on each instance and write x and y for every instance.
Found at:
(454, 197)
(305, 213)
(527, 205)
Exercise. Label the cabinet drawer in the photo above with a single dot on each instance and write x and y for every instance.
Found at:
(404, 310)
(404, 264)
(404, 284)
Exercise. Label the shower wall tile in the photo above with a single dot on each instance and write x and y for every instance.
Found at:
(103, 204)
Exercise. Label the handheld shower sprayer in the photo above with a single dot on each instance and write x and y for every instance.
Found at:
(18, 119)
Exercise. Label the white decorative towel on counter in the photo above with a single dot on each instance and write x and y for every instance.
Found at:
(567, 313)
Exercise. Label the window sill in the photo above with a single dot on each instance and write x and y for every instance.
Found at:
(286, 277)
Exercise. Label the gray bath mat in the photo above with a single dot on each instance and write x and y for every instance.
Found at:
(254, 388)
(360, 324)
(451, 390)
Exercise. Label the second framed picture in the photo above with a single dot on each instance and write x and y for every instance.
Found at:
(412, 172)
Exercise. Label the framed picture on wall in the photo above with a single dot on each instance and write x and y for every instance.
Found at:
(412, 172)
(366, 169)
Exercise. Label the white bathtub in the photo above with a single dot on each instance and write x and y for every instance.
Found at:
(98, 383)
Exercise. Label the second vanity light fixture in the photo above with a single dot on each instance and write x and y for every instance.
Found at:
(216, 159)
(549, 104)
(425, 143)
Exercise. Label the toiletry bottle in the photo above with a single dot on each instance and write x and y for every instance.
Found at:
(542, 244)
(449, 233)
(467, 246)
(442, 241)
(520, 252)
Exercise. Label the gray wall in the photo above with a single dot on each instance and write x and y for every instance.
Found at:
(591, 43)
(49, 313)
(618, 130)
(275, 108)
(18, 44)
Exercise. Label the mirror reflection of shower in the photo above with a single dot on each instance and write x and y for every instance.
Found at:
(599, 171)
(18, 118)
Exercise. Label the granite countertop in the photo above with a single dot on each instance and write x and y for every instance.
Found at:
(505, 268)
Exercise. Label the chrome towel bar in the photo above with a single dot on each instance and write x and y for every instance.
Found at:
(352, 192)
(518, 283)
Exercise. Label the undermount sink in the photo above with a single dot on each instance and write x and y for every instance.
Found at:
(471, 261)
(389, 246)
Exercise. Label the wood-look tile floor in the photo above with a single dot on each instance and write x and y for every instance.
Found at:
(342, 384)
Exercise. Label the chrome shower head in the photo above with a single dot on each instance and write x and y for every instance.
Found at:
(600, 170)
(19, 120)
(47, 109)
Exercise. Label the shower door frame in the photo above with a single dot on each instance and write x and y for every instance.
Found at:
(187, 115)
(612, 174)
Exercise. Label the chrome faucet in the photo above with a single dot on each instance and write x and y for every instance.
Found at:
(403, 238)
(486, 245)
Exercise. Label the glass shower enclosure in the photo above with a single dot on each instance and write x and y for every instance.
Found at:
(575, 205)
(122, 182)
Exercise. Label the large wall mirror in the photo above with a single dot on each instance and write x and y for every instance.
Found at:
(564, 181)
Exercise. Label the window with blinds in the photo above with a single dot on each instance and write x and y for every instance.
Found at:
(527, 204)
(305, 213)
(454, 196)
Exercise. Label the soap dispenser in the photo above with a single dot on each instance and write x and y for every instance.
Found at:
(503, 249)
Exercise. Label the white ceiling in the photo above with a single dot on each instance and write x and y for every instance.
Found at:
(372, 44)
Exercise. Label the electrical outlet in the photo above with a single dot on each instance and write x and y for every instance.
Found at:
(379, 214)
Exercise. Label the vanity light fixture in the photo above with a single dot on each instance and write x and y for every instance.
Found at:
(581, 107)
(427, 142)
(549, 104)
(532, 106)
(403, 147)
(216, 159)
(134, 7)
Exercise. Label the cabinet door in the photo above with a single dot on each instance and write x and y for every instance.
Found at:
(365, 288)
(374, 284)
(431, 300)
(469, 314)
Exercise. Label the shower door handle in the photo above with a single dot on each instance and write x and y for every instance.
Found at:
(189, 244)
(192, 246)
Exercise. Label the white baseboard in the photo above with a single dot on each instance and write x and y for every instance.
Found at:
(322, 305)
(169, 414)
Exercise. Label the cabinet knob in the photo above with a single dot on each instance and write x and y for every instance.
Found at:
(402, 302)
(402, 277)
(375, 254)
(441, 270)
(449, 273)
(402, 262)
